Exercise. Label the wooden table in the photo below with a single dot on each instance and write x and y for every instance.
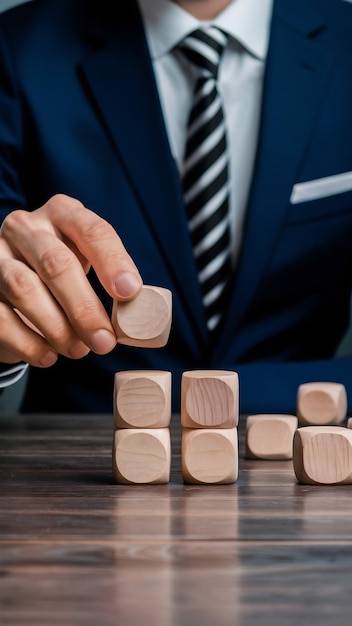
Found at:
(77, 549)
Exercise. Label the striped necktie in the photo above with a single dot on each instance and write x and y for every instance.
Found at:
(205, 173)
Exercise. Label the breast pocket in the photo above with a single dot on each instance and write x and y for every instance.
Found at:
(334, 205)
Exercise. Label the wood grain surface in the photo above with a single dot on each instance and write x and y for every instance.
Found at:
(75, 548)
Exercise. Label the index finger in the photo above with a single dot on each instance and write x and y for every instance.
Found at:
(99, 243)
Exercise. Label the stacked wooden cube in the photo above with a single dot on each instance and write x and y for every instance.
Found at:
(142, 413)
(209, 419)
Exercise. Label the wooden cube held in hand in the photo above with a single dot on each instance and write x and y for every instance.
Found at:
(209, 455)
(322, 455)
(321, 404)
(209, 399)
(142, 399)
(141, 456)
(145, 321)
(270, 436)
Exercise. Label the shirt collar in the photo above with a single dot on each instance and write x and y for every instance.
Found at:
(247, 21)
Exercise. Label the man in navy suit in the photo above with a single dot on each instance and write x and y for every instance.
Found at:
(92, 126)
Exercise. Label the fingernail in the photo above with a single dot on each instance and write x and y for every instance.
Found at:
(48, 359)
(102, 341)
(127, 284)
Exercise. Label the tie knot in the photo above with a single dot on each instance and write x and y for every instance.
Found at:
(203, 48)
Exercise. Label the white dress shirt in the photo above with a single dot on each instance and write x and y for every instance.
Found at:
(240, 81)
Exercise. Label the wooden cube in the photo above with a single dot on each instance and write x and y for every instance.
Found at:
(141, 456)
(321, 404)
(270, 436)
(323, 455)
(142, 399)
(209, 455)
(209, 399)
(349, 422)
(144, 321)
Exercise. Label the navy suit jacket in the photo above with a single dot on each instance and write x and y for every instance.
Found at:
(80, 115)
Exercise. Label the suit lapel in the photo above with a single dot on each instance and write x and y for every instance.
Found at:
(121, 79)
(296, 74)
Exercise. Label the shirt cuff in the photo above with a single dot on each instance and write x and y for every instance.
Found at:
(12, 374)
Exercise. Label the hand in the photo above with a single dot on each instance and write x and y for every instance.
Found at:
(47, 305)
